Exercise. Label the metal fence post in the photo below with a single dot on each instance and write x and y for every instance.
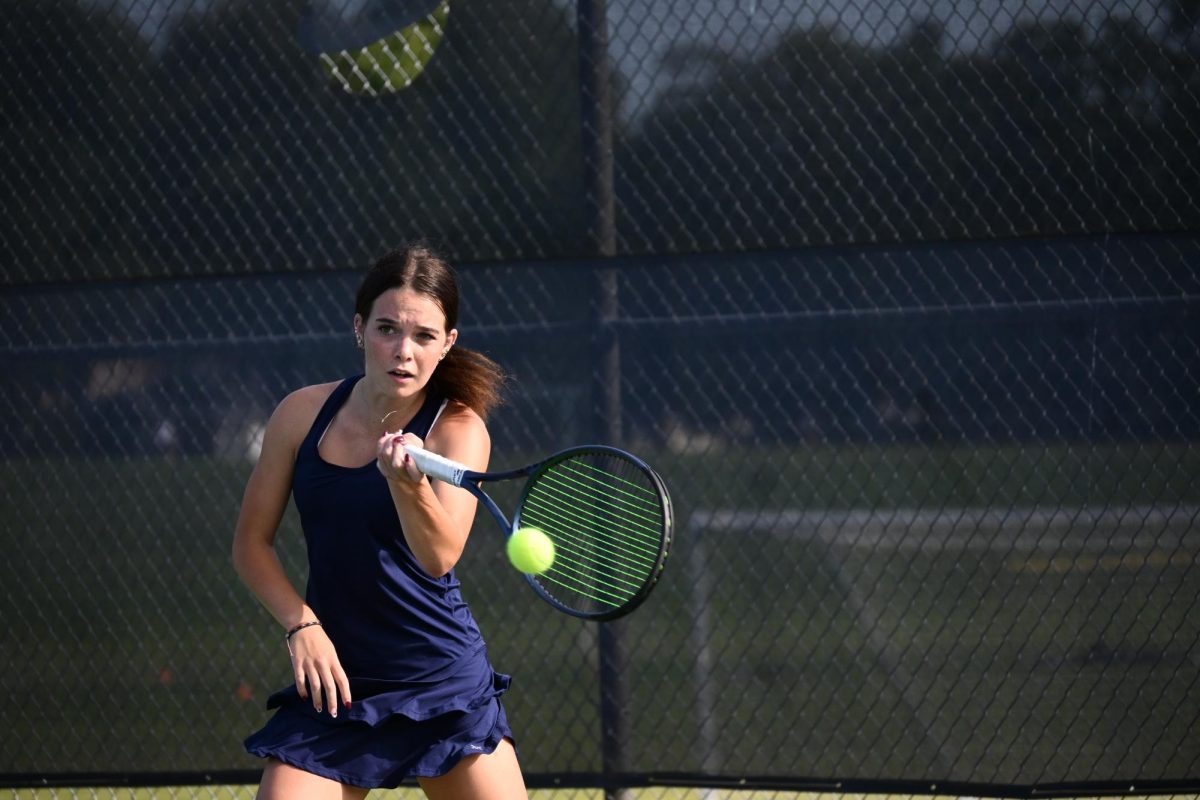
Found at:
(599, 217)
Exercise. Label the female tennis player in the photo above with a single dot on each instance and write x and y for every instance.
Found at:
(392, 676)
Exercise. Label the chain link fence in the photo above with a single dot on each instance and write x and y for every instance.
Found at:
(905, 314)
(149, 138)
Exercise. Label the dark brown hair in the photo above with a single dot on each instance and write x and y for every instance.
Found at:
(464, 375)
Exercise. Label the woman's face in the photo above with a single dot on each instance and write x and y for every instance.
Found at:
(403, 339)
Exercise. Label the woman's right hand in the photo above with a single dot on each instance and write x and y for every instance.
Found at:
(319, 674)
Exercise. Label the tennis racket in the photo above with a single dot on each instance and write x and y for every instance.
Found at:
(376, 47)
(606, 511)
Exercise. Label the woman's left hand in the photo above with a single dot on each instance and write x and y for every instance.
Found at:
(395, 464)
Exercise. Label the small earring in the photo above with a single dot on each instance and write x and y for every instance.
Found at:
(358, 340)
(444, 353)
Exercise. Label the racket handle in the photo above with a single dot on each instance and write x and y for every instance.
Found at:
(436, 466)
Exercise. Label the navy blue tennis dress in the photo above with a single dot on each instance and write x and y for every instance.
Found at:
(425, 694)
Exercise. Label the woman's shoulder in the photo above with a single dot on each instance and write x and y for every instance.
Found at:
(298, 410)
(306, 400)
(456, 423)
(458, 414)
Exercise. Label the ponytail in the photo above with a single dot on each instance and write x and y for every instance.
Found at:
(469, 377)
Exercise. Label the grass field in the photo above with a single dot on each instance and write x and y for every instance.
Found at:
(132, 647)
(247, 793)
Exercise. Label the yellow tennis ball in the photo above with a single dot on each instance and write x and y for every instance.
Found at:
(530, 551)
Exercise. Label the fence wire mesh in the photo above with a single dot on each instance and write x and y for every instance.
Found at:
(146, 137)
(906, 316)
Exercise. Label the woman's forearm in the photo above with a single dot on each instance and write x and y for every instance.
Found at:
(259, 568)
(432, 534)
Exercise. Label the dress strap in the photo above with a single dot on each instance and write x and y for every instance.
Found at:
(333, 403)
(422, 422)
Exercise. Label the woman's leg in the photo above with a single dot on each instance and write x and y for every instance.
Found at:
(284, 782)
(495, 776)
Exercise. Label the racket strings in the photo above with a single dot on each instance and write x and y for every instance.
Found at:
(606, 521)
(640, 501)
(571, 528)
(584, 505)
(574, 565)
